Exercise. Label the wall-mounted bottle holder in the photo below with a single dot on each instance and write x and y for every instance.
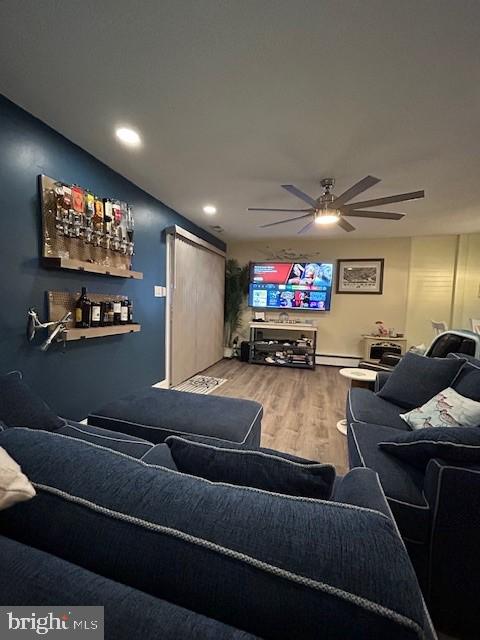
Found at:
(62, 302)
(82, 232)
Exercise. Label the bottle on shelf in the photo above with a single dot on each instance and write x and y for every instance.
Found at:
(83, 310)
(130, 311)
(110, 314)
(124, 312)
(107, 219)
(96, 315)
(117, 312)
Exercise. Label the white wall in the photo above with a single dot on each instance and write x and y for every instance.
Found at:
(340, 330)
(431, 285)
(426, 278)
(467, 290)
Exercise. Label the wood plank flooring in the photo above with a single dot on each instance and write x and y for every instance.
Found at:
(301, 407)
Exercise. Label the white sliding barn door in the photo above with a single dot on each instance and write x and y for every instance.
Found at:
(196, 295)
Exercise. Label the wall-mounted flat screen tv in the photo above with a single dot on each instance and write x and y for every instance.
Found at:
(304, 286)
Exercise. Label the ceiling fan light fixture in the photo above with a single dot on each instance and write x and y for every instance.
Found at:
(327, 216)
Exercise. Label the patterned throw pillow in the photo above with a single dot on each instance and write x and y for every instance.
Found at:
(447, 409)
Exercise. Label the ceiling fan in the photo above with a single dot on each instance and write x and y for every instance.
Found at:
(331, 209)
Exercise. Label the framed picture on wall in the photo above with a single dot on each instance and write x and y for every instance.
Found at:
(360, 275)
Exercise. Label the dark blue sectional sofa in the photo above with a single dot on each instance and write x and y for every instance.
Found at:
(437, 507)
(170, 554)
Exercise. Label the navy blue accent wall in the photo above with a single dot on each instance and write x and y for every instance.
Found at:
(75, 380)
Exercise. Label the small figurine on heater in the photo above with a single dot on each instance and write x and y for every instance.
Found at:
(381, 328)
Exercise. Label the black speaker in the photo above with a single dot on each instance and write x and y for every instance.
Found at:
(244, 351)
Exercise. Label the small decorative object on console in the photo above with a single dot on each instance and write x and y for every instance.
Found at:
(381, 329)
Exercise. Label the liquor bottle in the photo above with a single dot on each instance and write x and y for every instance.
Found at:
(117, 312)
(108, 315)
(130, 311)
(104, 314)
(124, 312)
(78, 203)
(82, 310)
(96, 314)
(107, 219)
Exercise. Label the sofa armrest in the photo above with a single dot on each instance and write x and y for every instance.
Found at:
(361, 488)
(453, 493)
(380, 380)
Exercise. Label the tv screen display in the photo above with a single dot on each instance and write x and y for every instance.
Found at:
(290, 285)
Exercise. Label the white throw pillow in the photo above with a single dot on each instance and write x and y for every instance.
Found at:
(447, 409)
(14, 485)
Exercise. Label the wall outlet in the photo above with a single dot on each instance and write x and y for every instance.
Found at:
(159, 292)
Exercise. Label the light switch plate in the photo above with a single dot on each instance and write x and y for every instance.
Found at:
(159, 292)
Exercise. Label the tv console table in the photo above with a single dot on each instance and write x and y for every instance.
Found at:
(283, 344)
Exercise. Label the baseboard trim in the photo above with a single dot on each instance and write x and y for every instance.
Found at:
(336, 361)
(163, 384)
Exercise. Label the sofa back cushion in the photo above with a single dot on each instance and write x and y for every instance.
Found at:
(253, 468)
(28, 576)
(455, 444)
(131, 445)
(416, 379)
(272, 565)
(467, 382)
(21, 407)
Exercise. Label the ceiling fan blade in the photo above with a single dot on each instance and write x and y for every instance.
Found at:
(303, 196)
(286, 210)
(272, 224)
(346, 226)
(401, 197)
(381, 215)
(358, 187)
(306, 228)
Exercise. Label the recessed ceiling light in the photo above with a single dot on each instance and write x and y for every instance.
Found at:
(128, 136)
(210, 209)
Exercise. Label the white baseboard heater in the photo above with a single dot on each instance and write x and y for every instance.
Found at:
(333, 360)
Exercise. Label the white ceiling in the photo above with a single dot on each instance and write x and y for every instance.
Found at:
(235, 97)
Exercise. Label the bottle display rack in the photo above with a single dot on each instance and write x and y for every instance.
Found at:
(59, 302)
(83, 232)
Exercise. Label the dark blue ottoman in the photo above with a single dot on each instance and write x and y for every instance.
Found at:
(154, 414)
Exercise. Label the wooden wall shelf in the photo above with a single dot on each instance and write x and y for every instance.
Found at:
(80, 265)
(100, 332)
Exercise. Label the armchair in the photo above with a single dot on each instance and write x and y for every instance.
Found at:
(452, 341)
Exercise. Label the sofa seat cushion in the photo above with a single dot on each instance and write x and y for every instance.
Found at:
(28, 576)
(154, 414)
(401, 482)
(365, 406)
(417, 378)
(131, 445)
(275, 566)
(20, 406)
(253, 468)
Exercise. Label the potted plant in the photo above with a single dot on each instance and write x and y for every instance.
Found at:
(236, 288)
